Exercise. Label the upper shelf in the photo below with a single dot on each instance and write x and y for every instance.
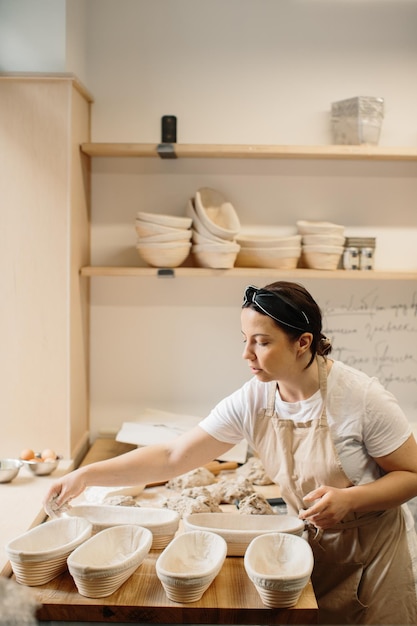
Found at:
(241, 151)
(248, 272)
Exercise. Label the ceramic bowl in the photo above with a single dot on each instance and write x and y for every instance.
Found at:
(41, 468)
(9, 469)
(321, 257)
(40, 554)
(268, 241)
(177, 234)
(169, 254)
(163, 523)
(216, 256)
(103, 563)
(199, 228)
(239, 530)
(189, 564)
(306, 227)
(216, 214)
(323, 240)
(280, 566)
(149, 229)
(172, 221)
(273, 258)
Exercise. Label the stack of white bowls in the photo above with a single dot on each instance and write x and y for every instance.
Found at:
(269, 251)
(215, 225)
(163, 240)
(322, 244)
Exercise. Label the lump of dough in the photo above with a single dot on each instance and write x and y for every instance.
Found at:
(255, 504)
(227, 490)
(196, 478)
(185, 505)
(254, 471)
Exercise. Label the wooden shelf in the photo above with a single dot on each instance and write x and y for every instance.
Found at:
(241, 151)
(249, 272)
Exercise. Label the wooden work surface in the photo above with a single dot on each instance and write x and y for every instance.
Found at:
(231, 599)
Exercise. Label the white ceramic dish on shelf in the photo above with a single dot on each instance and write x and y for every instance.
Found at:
(280, 566)
(268, 241)
(171, 221)
(190, 563)
(103, 563)
(176, 234)
(239, 530)
(217, 215)
(272, 258)
(149, 229)
(216, 256)
(328, 239)
(168, 254)
(321, 257)
(306, 227)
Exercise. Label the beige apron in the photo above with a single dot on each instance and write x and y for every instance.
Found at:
(362, 572)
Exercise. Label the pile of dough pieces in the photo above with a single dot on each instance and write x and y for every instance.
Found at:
(199, 491)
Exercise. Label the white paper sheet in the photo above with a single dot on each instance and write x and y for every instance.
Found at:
(154, 426)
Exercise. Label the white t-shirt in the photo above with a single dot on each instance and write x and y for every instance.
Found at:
(365, 419)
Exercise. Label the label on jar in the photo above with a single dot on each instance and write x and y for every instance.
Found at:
(351, 258)
(367, 259)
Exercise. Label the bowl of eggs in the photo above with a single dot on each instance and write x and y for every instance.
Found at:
(40, 463)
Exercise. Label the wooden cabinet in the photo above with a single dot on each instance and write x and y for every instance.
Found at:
(45, 240)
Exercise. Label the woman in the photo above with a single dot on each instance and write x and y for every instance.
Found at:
(333, 438)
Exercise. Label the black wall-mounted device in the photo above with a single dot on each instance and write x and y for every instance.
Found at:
(169, 129)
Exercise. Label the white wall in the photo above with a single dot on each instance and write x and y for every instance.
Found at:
(248, 71)
(242, 71)
(43, 36)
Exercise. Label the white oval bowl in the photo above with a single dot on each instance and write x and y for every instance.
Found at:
(280, 566)
(306, 227)
(172, 221)
(149, 229)
(266, 241)
(216, 214)
(190, 563)
(239, 530)
(198, 226)
(273, 258)
(40, 554)
(215, 256)
(163, 523)
(177, 234)
(168, 254)
(323, 240)
(104, 562)
(321, 257)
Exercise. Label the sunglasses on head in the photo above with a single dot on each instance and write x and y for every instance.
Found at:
(278, 307)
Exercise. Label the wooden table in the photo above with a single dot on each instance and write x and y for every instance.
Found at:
(231, 599)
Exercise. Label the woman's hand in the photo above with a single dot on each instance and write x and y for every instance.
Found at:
(329, 506)
(63, 491)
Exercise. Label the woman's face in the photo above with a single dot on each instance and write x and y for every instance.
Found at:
(270, 353)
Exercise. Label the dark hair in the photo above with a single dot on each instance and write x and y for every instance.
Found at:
(301, 299)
